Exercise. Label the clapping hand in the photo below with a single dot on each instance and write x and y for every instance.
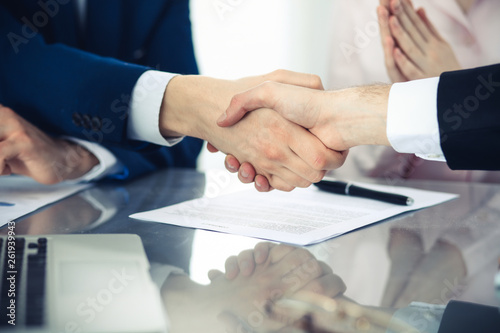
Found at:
(413, 48)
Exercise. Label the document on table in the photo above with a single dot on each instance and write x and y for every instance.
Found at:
(302, 217)
(21, 195)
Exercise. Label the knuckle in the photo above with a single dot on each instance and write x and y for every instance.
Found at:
(6, 111)
(278, 73)
(304, 183)
(317, 176)
(235, 101)
(282, 187)
(245, 255)
(274, 154)
(320, 162)
(285, 188)
(312, 267)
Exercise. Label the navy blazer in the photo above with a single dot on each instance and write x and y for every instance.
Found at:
(69, 81)
(469, 118)
(463, 317)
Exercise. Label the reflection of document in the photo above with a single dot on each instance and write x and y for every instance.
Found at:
(23, 195)
(302, 217)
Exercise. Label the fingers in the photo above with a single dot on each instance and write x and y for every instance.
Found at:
(416, 25)
(214, 274)
(388, 45)
(411, 24)
(246, 173)
(277, 253)
(432, 29)
(232, 268)
(211, 148)
(318, 158)
(311, 81)
(8, 151)
(262, 251)
(246, 262)
(385, 3)
(231, 163)
(407, 67)
(404, 40)
(263, 96)
(262, 184)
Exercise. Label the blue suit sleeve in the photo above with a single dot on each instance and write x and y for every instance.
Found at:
(63, 90)
(66, 91)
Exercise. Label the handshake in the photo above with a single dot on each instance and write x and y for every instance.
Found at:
(279, 130)
(303, 131)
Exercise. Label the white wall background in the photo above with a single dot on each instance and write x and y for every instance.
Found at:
(236, 38)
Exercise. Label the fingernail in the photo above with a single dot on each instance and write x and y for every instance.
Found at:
(244, 174)
(258, 184)
(230, 167)
(222, 117)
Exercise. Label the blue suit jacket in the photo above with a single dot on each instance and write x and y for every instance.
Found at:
(78, 83)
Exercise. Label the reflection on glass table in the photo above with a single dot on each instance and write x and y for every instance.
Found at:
(432, 256)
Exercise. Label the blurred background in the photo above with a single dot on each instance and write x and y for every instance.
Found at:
(237, 38)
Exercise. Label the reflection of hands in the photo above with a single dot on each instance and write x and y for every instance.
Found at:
(265, 254)
(314, 313)
(413, 48)
(27, 151)
(320, 309)
(244, 300)
(414, 274)
(286, 154)
(443, 264)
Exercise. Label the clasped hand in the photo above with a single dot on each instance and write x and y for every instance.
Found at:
(28, 151)
(285, 154)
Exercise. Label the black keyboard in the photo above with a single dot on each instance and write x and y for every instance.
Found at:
(22, 288)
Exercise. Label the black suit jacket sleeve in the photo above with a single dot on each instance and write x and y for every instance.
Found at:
(461, 317)
(468, 106)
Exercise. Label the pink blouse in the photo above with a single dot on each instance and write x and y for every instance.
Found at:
(357, 59)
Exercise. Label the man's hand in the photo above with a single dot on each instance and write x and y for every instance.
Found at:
(413, 48)
(286, 154)
(340, 119)
(26, 150)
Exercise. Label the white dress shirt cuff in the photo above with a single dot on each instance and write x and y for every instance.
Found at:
(108, 163)
(420, 317)
(144, 117)
(412, 125)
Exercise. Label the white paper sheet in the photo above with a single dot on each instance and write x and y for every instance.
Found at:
(28, 196)
(302, 217)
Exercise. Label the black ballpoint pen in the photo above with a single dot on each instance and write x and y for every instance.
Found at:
(339, 187)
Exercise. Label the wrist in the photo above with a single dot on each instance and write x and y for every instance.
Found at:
(360, 115)
(77, 160)
(192, 104)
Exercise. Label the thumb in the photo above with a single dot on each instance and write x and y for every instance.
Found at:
(214, 274)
